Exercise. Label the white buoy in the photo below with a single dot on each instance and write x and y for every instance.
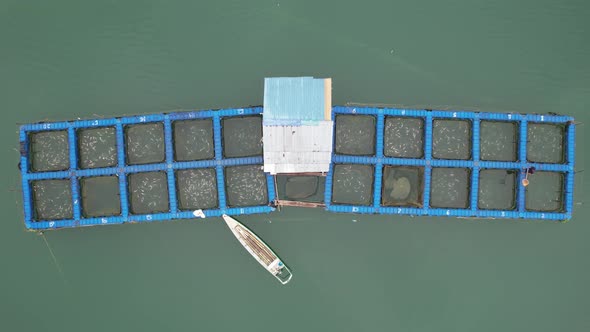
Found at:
(199, 213)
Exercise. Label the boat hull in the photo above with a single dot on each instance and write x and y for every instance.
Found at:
(259, 250)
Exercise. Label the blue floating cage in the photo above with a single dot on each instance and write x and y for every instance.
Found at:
(474, 164)
(219, 162)
(74, 173)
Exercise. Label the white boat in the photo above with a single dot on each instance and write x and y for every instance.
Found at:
(259, 250)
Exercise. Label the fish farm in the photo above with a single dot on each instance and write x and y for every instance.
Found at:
(379, 161)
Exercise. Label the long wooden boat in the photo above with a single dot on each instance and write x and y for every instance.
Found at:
(259, 250)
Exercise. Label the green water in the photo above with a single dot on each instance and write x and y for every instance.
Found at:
(69, 59)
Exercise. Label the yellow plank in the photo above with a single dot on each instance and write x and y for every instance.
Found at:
(327, 99)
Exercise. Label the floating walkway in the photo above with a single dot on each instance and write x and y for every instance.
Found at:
(454, 172)
(71, 211)
(559, 173)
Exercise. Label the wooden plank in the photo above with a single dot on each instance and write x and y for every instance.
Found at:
(300, 204)
(304, 174)
(328, 99)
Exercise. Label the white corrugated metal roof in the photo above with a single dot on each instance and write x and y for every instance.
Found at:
(298, 149)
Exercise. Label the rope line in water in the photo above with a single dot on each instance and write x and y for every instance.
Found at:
(55, 262)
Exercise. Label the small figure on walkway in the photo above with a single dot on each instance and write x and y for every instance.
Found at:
(528, 170)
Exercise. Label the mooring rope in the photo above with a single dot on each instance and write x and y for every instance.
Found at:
(55, 262)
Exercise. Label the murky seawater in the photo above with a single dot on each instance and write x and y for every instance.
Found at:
(49, 151)
(100, 196)
(498, 141)
(97, 147)
(197, 189)
(402, 186)
(403, 137)
(193, 140)
(301, 188)
(242, 136)
(145, 143)
(450, 188)
(246, 186)
(451, 139)
(355, 135)
(352, 184)
(546, 143)
(545, 192)
(65, 60)
(53, 199)
(497, 189)
(148, 192)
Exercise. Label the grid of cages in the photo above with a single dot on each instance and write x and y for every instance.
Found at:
(144, 168)
(467, 164)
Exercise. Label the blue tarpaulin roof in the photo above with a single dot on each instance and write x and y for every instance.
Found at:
(293, 101)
